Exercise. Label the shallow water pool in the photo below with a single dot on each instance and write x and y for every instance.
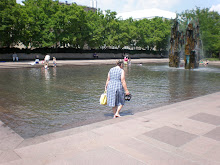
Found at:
(35, 101)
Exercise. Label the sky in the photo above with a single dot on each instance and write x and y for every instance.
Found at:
(176, 6)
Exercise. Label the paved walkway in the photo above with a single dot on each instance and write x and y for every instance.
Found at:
(184, 133)
(27, 64)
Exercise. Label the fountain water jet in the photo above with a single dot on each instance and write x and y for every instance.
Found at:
(192, 46)
(174, 55)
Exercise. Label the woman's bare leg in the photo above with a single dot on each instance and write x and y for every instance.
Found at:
(118, 110)
(114, 110)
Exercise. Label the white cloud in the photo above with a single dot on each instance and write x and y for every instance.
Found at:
(147, 13)
(113, 5)
(131, 5)
(121, 6)
(127, 5)
(81, 2)
(215, 8)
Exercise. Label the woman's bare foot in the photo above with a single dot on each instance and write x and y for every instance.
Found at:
(116, 115)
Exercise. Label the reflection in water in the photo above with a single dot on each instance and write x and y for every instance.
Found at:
(47, 74)
(54, 72)
(36, 101)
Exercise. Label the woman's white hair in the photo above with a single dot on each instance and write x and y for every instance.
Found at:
(119, 62)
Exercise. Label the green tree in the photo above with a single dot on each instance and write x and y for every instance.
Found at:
(96, 29)
(39, 27)
(132, 33)
(71, 27)
(123, 37)
(111, 25)
(76, 26)
(60, 27)
(209, 23)
(161, 32)
(143, 33)
(210, 30)
(8, 22)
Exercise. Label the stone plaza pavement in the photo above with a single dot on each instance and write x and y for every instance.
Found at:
(183, 133)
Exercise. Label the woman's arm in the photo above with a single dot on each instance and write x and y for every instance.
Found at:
(106, 84)
(124, 82)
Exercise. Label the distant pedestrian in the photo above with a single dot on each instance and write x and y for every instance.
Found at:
(47, 58)
(95, 55)
(46, 61)
(206, 62)
(126, 60)
(15, 57)
(37, 60)
(54, 62)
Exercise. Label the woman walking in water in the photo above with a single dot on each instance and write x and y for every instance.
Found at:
(116, 88)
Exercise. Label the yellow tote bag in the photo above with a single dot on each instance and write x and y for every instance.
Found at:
(103, 99)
